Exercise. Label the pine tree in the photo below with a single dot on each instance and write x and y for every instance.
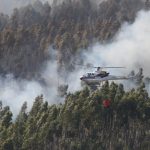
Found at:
(20, 127)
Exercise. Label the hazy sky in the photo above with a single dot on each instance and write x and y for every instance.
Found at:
(7, 6)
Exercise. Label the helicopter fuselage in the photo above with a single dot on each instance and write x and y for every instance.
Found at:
(97, 78)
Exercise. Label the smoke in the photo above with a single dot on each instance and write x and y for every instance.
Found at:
(7, 6)
(130, 48)
(14, 92)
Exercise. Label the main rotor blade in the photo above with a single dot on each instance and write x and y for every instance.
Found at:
(110, 67)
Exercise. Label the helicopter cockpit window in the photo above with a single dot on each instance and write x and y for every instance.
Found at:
(89, 75)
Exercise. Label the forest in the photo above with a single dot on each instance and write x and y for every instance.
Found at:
(69, 28)
(82, 121)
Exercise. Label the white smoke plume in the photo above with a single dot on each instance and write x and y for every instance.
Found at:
(14, 92)
(130, 48)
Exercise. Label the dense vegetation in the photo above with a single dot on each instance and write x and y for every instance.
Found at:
(26, 35)
(82, 122)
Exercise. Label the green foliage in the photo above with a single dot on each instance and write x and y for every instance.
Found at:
(81, 122)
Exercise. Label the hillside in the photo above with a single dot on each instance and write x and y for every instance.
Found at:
(69, 28)
(40, 42)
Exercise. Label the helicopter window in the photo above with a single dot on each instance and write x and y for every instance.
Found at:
(88, 74)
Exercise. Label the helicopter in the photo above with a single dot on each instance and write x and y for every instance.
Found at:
(100, 76)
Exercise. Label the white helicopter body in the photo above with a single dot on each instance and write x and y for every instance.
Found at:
(100, 76)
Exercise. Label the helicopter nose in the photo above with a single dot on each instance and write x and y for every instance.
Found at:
(81, 78)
